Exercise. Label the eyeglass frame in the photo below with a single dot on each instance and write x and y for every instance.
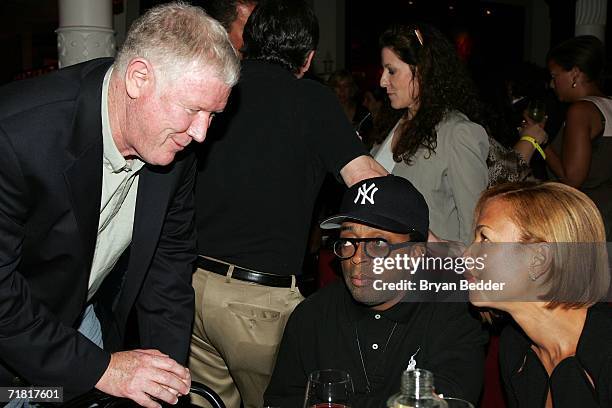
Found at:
(414, 237)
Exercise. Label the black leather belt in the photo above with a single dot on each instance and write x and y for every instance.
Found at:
(266, 279)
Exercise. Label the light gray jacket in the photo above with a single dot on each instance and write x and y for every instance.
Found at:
(452, 178)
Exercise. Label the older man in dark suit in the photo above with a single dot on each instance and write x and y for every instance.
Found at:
(95, 164)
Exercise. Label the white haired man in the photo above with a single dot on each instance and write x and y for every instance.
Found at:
(96, 165)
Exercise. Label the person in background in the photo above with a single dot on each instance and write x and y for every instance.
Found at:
(383, 117)
(347, 91)
(374, 333)
(526, 83)
(546, 242)
(580, 155)
(438, 144)
(256, 186)
(96, 164)
(373, 100)
(507, 97)
(232, 14)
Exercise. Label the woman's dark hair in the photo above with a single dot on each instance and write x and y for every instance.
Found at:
(444, 85)
(585, 52)
(282, 32)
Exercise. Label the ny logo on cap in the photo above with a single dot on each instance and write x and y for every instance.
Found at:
(366, 193)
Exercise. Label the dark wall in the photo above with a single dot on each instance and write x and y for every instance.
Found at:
(27, 37)
(484, 32)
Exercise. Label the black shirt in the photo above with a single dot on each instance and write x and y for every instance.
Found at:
(527, 383)
(262, 165)
(443, 338)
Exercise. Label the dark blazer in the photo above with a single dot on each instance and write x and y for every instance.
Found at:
(527, 383)
(50, 191)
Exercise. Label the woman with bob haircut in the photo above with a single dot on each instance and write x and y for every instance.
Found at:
(438, 144)
(549, 241)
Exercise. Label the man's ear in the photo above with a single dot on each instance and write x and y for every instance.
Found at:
(139, 77)
(307, 63)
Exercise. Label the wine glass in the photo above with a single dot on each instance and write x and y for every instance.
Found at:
(536, 110)
(329, 389)
(457, 403)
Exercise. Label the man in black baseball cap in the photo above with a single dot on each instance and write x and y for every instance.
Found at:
(369, 326)
(384, 216)
(390, 203)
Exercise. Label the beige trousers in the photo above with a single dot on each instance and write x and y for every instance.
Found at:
(237, 330)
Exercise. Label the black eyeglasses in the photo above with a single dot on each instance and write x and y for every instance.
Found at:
(346, 248)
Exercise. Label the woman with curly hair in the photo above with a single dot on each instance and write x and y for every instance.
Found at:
(438, 144)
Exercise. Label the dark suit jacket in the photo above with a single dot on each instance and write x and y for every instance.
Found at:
(527, 383)
(50, 190)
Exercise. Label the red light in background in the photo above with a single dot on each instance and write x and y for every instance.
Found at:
(464, 45)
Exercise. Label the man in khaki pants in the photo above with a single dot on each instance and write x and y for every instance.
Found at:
(255, 191)
(237, 330)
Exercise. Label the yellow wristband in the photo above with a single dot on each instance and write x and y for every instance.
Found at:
(535, 144)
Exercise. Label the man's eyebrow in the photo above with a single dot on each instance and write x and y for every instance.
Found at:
(346, 228)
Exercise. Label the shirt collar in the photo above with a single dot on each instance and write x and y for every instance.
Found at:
(402, 312)
(113, 160)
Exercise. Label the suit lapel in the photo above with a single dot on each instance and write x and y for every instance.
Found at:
(84, 174)
(154, 189)
(84, 180)
(151, 202)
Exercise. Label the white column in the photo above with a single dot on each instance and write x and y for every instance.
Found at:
(591, 18)
(85, 31)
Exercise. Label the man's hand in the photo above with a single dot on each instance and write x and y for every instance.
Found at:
(361, 168)
(145, 376)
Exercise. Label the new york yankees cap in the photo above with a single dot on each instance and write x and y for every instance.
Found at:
(390, 203)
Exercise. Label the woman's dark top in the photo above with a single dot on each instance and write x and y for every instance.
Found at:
(526, 381)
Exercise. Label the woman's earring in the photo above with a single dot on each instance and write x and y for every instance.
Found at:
(533, 275)
(574, 84)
